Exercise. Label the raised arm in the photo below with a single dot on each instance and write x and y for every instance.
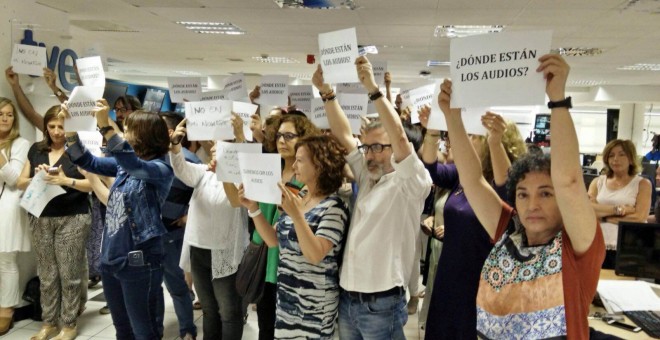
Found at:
(339, 124)
(23, 102)
(101, 191)
(431, 139)
(496, 126)
(266, 231)
(483, 199)
(49, 77)
(576, 211)
(389, 118)
(188, 173)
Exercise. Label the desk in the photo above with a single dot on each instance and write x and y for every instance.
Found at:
(600, 325)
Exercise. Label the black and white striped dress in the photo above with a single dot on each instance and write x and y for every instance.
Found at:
(307, 294)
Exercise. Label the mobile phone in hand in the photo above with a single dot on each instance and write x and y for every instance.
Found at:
(53, 170)
(293, 188)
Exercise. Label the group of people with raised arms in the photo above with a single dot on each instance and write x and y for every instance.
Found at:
(512, 223)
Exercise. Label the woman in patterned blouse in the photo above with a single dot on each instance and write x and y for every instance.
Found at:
(542, 272)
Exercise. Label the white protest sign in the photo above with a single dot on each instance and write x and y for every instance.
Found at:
(92, 140)
(338, 52)
(214, 95)
(498, 69)
(437, 118)
(228, 169)
(188, 88)
(351, 88)
(38, 194)
(274, 90)
(81, 108)
(319, 117)
(472, 120)
(355, 107)
(27, 59)
(421, 96)
(209, 120)
(235, 87)
(245, 111)
(301, 97)
(379, 68)
(260, 174)
(91, 72)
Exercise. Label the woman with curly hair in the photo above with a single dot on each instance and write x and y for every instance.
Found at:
(310, 234)
(466, 245)
(281, 133)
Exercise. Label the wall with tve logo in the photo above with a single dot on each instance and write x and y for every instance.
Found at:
(48, 26)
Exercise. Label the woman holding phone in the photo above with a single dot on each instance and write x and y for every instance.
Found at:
(132, 248)
(59, 234)
(310, 234)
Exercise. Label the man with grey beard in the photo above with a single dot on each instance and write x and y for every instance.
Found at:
(380, 248)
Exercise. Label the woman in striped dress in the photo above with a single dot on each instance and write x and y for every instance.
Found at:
(310, 234)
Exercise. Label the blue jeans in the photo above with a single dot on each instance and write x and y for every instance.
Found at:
(135, 298)
(372, 318)
(176, 283)
(221, 304)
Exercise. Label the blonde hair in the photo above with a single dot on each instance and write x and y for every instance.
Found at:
(14, 132)
(514, 146)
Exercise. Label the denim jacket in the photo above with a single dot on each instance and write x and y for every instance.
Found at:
(145, 185)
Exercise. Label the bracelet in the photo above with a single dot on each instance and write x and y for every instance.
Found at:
(375, 95)
(104, 130)
(433, 134)
(328, 99)
(73, 183)
(326, 95)
(255, 213)
(620, 211)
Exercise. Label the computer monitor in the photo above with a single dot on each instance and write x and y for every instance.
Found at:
(638, 250)
(153, 100)
(588, 178)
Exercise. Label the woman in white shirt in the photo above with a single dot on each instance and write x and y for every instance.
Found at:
(14, 221)
(214, 242)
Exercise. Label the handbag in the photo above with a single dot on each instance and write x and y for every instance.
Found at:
(251, 273)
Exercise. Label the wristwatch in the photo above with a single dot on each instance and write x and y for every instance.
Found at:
(59, 93)
(105, 130)
(567, 103)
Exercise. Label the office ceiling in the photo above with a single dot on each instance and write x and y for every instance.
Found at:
(148, 44)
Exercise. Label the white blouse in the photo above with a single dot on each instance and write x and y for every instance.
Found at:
(13, 220)
(212, 222)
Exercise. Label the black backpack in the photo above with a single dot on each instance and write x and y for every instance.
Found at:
(32, 295)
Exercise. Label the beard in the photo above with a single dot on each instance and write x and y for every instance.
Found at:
(375, 170)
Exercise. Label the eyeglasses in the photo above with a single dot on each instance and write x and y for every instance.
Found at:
(375, 148)
(288, 136)
(121, 109)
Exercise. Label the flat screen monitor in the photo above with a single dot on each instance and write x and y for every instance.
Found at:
(588, 178)
(153, 100)
(113, 91)
(638, 250)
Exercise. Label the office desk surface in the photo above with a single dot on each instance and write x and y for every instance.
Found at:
(599, 325)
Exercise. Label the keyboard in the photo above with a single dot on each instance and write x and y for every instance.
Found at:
(647, 320)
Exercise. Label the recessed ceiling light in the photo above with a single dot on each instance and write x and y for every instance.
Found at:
(302, 76)
(640, 67)
(188, 73)
(276, 60)
(459, 31)
(212, 27)
(437, 63)
(587, 82)
(577, 51)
